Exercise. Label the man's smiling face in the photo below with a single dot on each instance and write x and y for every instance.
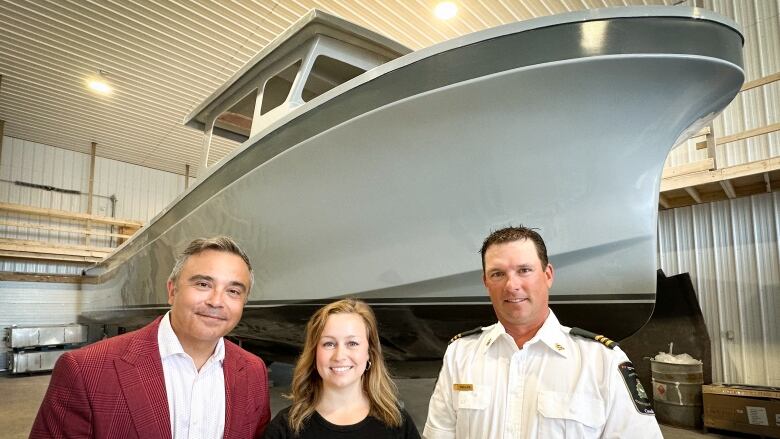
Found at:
(517, 283)
(209, 296)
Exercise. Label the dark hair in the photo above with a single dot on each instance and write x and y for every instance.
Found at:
(512, 234)
(218, 243)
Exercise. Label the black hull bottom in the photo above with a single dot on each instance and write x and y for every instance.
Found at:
(409, 332)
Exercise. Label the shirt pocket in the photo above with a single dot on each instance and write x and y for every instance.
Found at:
(472, 408)
(568, 415)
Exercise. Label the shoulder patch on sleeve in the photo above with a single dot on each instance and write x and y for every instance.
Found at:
(466, 334)
(579, 332)
(635, 389)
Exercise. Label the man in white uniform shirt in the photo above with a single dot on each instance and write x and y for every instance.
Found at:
(176, 377)
(527, 376)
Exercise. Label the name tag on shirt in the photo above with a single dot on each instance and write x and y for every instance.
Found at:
(463, 387)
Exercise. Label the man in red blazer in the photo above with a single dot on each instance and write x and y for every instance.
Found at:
(145, 384)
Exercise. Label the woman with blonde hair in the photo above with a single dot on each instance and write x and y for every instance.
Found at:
(341, 387)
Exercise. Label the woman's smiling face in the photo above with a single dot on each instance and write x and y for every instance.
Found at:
(342, 351)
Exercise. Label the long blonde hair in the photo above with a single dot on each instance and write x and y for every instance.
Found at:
(307, 384)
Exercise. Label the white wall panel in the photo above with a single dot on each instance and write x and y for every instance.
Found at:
(41, 164)
(141, 192)
(44, 267)
(731, 250)
(27, 303)
(767, 234)
(747, 292)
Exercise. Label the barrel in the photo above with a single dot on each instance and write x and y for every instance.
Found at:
(677, 393)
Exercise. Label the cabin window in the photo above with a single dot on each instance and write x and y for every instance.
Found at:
(326, 74)
(236, 122)
(277, 88)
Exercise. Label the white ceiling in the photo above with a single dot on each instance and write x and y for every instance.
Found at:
(163, 58)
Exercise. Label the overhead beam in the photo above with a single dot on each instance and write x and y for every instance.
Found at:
(728, 188)
(694, 194)
(235, 121)
(663, 201)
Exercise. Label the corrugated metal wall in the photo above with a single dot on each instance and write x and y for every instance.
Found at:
(731, 250)
(22, 304)
(140, 194)
(41, 164)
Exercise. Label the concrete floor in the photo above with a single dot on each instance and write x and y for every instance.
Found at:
(21, 396)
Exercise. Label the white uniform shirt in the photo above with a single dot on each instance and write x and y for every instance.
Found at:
(196, 400)
(557, 386)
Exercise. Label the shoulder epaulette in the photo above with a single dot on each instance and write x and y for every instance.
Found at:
(590, 335)
(466, 334)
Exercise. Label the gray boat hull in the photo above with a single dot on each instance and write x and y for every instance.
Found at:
(385, 187)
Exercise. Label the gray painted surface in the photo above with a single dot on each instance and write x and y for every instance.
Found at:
(405, 192)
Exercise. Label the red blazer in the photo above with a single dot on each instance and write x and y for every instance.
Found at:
(115, 389)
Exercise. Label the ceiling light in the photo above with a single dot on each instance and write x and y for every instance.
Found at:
(99, 84)
(445, 10)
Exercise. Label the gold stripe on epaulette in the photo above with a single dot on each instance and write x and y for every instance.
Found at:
(465, 334)
(595, 337)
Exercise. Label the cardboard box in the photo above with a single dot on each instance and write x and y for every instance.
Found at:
(747, 409)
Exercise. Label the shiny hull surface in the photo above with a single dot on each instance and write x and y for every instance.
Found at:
(385, 187)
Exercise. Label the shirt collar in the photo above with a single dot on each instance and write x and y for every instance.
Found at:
(169, 343)
(550, 334)
(496, 332)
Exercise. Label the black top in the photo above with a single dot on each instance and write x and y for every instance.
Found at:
(316, 427)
